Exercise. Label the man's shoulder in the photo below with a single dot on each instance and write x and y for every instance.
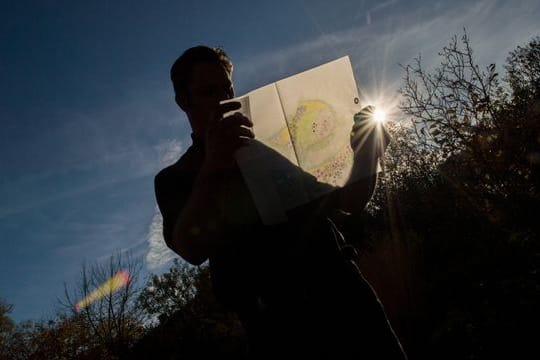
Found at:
(185, 166)
(163, 176)
(169, 171)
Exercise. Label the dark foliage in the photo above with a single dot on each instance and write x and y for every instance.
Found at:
(462, 223)
(191, 321)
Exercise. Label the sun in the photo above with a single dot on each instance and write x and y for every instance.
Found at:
(379, 116)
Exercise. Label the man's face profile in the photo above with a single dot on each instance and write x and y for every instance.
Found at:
(209, 84)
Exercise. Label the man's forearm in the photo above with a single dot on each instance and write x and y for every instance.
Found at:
(200, 223)
(355, 195)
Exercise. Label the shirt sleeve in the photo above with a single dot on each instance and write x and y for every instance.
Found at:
(172, 193)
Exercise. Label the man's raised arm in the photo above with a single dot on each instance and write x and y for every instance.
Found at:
(369, 140)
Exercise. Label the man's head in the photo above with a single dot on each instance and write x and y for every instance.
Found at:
(201, 78)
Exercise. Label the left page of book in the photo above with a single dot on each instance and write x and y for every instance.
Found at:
(269, 164)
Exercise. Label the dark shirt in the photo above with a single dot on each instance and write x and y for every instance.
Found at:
(244, 268)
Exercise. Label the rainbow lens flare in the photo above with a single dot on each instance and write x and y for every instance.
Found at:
(116, 282)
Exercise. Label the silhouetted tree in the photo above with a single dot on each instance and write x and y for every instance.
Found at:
(6, 327)
(475, 215)
(114, 320)
(166, 294)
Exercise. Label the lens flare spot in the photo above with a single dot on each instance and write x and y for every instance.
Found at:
(116, 282)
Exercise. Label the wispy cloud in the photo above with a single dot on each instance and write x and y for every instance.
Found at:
(376, 49)
(377, 8)
(159, 255)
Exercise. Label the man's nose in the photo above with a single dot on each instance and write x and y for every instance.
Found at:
(228, 94)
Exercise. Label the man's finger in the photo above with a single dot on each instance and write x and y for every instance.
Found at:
(222, 109)
(229, 106)
(245, 132)
(236, 120)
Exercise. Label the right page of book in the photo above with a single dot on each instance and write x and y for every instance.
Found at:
(319, 105)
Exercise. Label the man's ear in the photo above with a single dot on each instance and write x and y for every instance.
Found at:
(181, 100)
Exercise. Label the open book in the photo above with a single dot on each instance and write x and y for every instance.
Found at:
(302, 125)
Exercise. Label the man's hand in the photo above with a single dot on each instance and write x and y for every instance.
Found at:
(224, 135)
(369, 138)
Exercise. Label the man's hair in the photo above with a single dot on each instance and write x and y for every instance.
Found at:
(183, 66)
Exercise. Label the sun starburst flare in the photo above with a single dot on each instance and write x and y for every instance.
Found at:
(379, 116)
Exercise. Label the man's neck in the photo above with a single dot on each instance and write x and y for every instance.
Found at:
(197, 138)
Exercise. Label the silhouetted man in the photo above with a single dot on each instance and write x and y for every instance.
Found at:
(292, 286)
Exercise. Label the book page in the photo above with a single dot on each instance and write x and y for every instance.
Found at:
(269, 123)
(269, 164)
(319, 105)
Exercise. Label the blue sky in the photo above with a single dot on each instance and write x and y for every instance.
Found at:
(87, 115)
